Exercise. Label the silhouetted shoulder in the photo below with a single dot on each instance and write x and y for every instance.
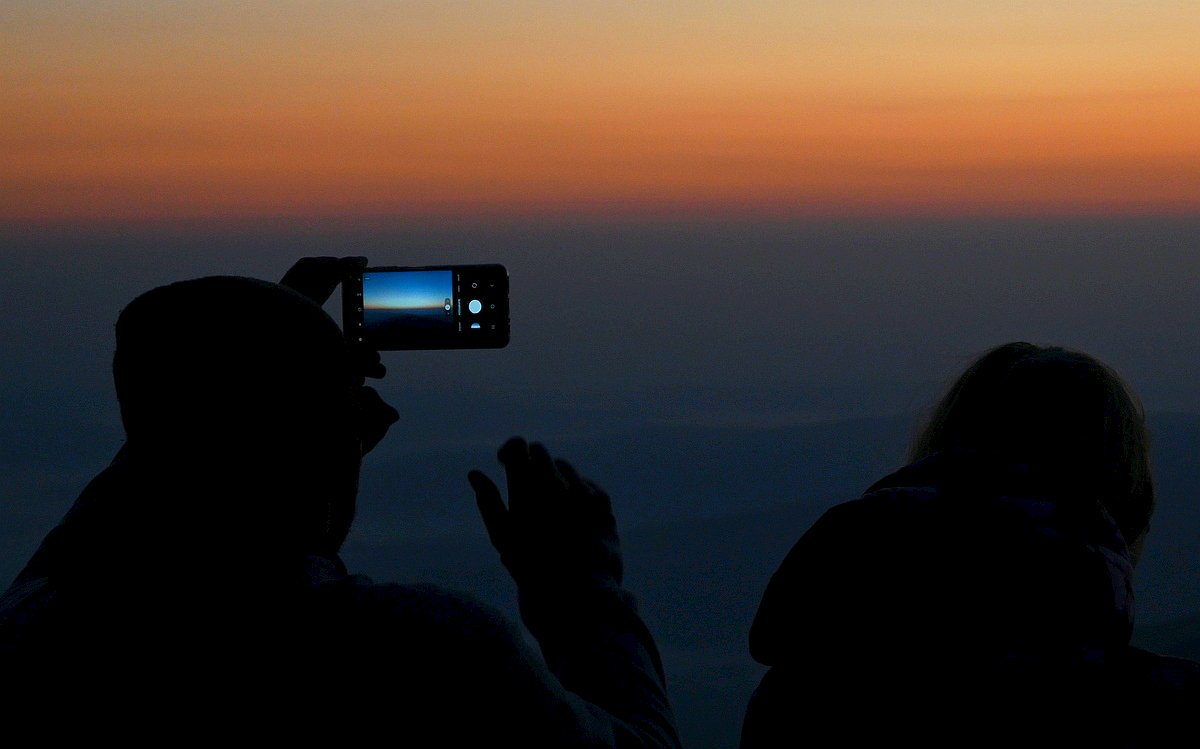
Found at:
(454, 670)
(954, 582)
(429, 615)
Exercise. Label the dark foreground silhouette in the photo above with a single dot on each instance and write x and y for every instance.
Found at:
(195, 589)
(982, 595)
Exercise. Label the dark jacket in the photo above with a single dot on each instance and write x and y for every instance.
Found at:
(129, 624)
(956, 604)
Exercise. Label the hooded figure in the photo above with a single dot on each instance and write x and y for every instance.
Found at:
(195, 587)
(237, 479)
(983, 594)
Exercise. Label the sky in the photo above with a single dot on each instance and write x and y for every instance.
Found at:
(136, 111)
(729, 227)
(746, 215)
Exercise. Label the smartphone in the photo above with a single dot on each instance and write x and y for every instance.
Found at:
(427, 307)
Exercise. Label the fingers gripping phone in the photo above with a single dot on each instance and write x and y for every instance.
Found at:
(395, 308)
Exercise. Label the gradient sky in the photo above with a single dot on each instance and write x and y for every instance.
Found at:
(415, 290)
(136, 110)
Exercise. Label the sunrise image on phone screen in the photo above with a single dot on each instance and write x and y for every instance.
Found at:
(407, 300)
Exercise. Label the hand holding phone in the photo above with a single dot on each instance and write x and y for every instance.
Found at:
(394, 308)
(316, 277)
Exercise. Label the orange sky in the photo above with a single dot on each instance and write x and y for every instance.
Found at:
(124, 110)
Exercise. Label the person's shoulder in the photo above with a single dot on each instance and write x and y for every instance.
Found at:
(423, 612)
(425, 601)
(881, 515)
(1158, 673)
(433, 654)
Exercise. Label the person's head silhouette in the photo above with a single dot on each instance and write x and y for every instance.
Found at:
(240, 394)
(1062, 413)
(989, 579)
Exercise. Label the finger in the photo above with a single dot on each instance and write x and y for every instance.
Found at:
(601, 507)
(514, 455)
(351, 263)
(491, 508)
(314, 277)
(570, 475)
(596, 500)
(514, 448)
(546, 485)
(367, 362)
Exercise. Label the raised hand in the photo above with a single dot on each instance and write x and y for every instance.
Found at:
(557, 533)
(317, 278)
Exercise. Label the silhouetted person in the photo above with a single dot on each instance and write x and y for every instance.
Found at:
(983, 594)
(195, 587)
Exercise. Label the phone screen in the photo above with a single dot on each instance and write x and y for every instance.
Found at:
(427, 307)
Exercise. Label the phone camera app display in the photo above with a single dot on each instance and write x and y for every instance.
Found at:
(427, 307)
(412, 301)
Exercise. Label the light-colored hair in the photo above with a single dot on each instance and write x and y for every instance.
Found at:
(1063, 413)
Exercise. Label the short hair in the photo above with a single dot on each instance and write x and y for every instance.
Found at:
(1063, 413)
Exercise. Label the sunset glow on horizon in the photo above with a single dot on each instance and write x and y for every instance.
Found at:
(131, 111)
